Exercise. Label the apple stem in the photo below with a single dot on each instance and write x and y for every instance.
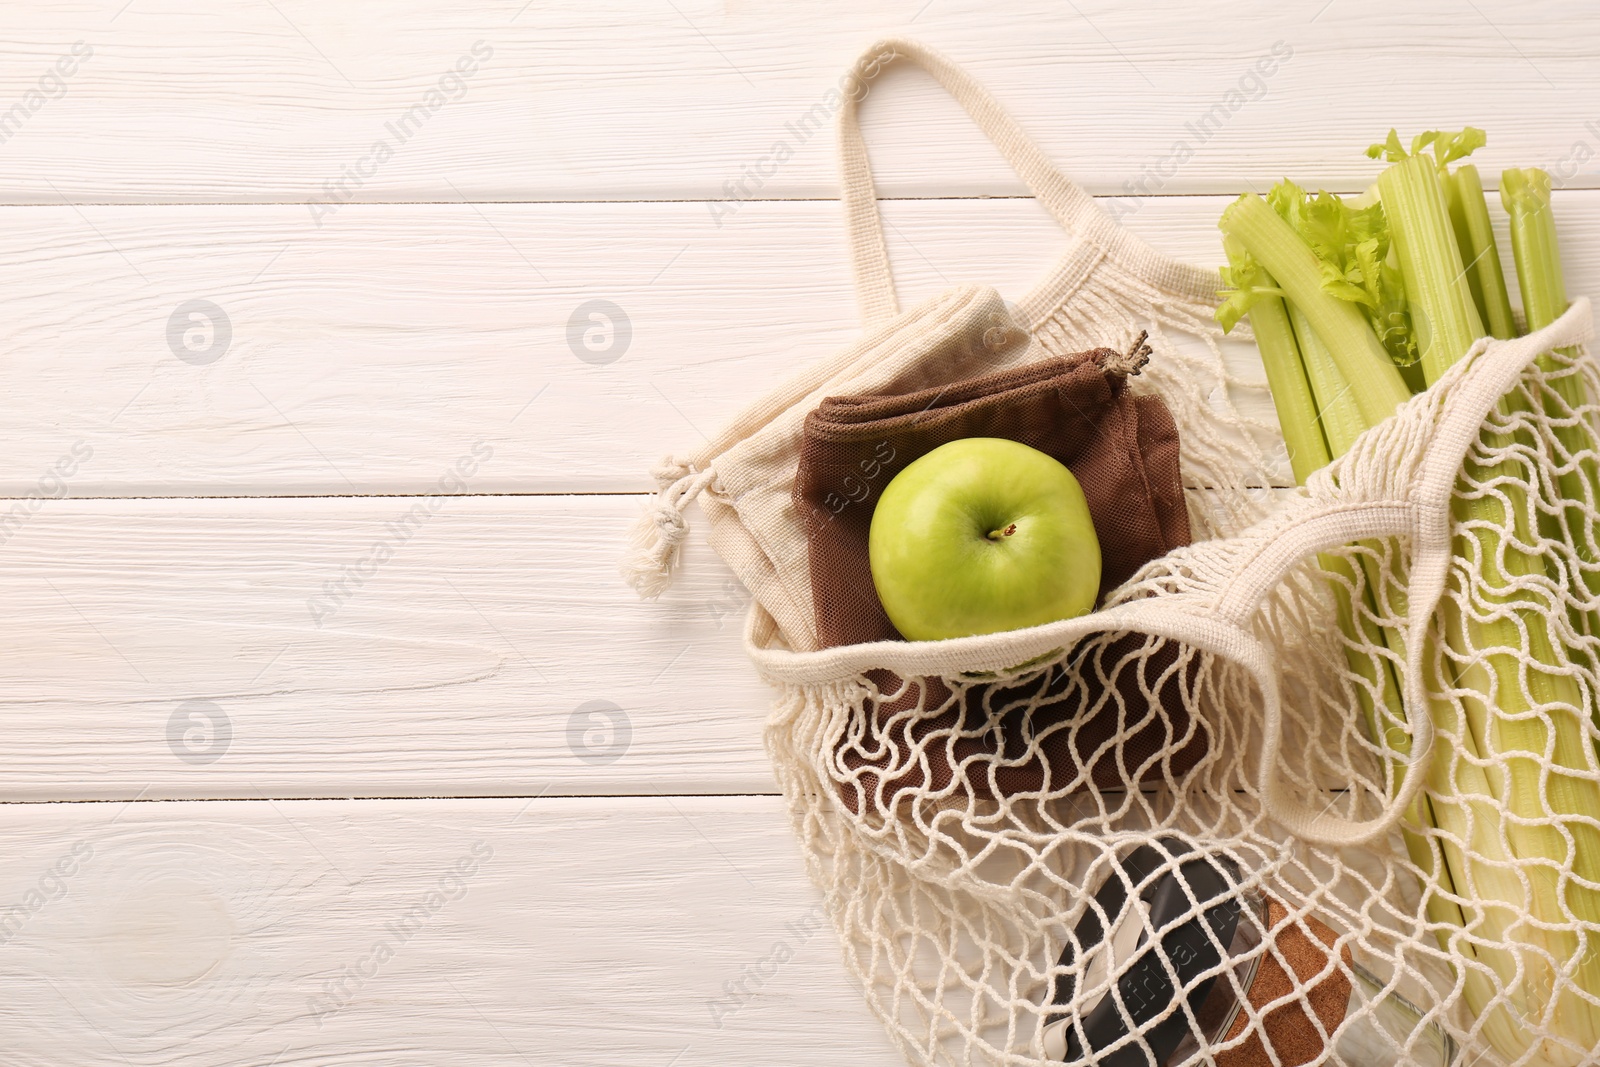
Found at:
(995, 535)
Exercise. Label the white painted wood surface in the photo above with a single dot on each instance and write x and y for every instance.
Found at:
(469, 662)
(634, 99)
(418, 933)
(492, 686)
(367, 357)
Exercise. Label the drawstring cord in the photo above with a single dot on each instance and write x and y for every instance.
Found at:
(659, 533)
(1132, 361)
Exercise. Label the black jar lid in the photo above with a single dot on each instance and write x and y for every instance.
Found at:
(1195, 907)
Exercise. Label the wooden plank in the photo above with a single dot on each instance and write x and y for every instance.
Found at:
(234, 350)
(289, 101)
(233, 648)
(369, 356)
(415, 933)
(356, 648)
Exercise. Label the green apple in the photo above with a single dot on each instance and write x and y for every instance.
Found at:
(983, 535)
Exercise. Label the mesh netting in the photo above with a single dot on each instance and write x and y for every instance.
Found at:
(1391, 679)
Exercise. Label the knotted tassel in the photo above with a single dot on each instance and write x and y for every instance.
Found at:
(657, 537)
(1133, 360)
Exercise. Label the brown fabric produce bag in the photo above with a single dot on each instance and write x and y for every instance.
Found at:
(1123, 449)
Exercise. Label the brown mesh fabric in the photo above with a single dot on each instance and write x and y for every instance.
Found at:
(1058, 730)
(1123, 450)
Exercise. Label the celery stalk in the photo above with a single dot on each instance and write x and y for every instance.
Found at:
(1308, 452)
(1291, 394)
(1516, 714)
(1469, 215)
(1470, 812)
(1336, 406)
(1442, 312)
(1526, 196)
(1341, 423)
(1277, 337)
(1374, 380)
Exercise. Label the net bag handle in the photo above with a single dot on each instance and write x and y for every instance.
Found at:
(1073, 208)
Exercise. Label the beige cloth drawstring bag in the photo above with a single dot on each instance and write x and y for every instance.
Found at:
(953, 908)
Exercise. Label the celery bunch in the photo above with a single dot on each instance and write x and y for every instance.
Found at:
(1356, 304)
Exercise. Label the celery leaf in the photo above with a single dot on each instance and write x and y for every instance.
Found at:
(1245, 281)
(1449, 147)
(1390, 150)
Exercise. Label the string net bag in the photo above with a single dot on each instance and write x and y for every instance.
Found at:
(1398, 770)
(1393, 705)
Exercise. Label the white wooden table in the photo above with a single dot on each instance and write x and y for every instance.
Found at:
(330, 735)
